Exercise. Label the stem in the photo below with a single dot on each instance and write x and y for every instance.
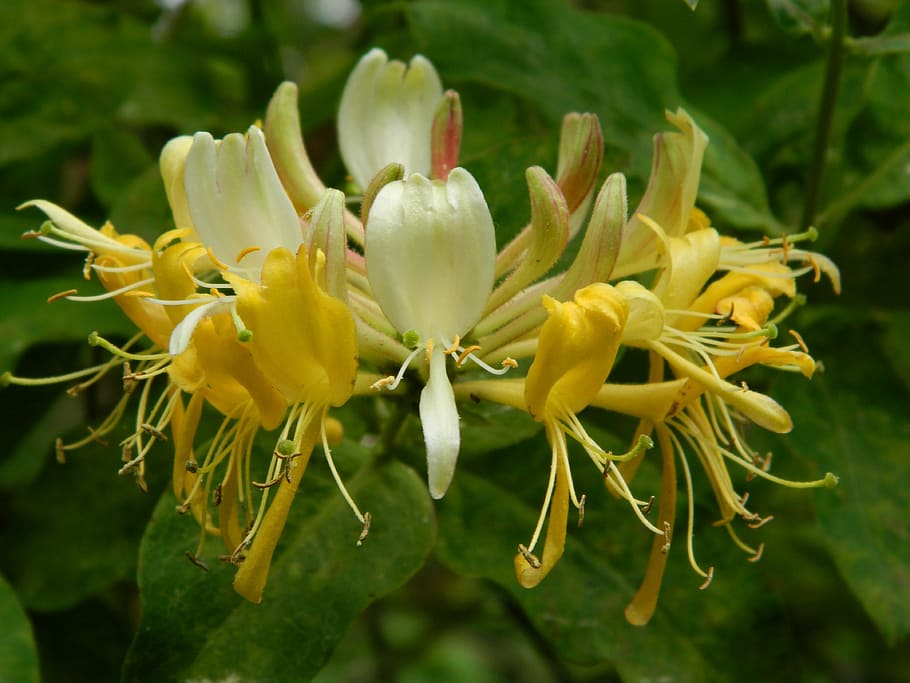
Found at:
(826, 109)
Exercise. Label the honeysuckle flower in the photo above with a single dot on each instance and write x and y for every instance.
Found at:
(386, 115)
(417, 234)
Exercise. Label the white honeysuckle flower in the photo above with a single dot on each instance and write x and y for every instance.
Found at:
(430, 256)
(238, 206)
(386, 115)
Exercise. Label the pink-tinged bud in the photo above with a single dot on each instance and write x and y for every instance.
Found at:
(581, 145)
(386, 175)
(548, 234)
(445, 139)
(285, 143)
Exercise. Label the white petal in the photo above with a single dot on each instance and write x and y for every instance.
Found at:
(439, 418)
(183, 331)
(386, 115)
(236, 199)
(430, 254)
(172, 163)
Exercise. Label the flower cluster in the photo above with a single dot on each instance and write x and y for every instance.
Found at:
(272, 303)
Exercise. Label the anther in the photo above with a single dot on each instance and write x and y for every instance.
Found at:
(668, 533)
(158, 434)
(467, 352)
(429, 349)
(195, 560)
(742, 501)
(268, 484)
(816, 270)
(708, 579)
(183, 508)
(191, 466)
(530, 558)
(367, 520)
(509, 362)
(246, 252)
(581, 510)
(215, 260)
(140, 481)
(758, 553)
(87, 268)
(216, 496)
(799, 340)
(60, 451)
(761, 522)
(744, 386)
(382, 383)
(453, 349)
(61, 295)
(646, 508)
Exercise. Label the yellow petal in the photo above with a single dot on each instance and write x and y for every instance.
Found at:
(576, 350)
(303, 339)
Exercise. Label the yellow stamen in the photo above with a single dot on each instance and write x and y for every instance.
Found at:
(246, 252)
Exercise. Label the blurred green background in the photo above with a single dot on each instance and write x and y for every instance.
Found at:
(89, 93)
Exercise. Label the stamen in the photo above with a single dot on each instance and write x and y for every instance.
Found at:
(195, 560)
(758, 553)
(367, 521)
(454, 347)
(214, 259)
(87, 268)
(341, 487)
(581, 509)
(391, 382)
(708, 579)
(508, 362)
(761, 522)
(61, 295)
(95, 339)
(111, 294)
(668, 535)
(529, 557)
(799, 340)
(246, 252)
(466, 354)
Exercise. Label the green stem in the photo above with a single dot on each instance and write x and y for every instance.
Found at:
(826, 109)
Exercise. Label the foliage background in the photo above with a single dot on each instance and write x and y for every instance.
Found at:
(89, 93)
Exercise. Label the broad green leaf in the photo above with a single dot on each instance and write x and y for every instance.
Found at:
(852, 420)
(29, 319)
(18, 657)
(75, 530)
(193, 624)
(732, 189)
(66, 67)
(118, 156)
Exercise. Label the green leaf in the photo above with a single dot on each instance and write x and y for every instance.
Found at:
(193, 624)
(852, 420)
(66, 67)
(76, 529)
(18, 657)
(29, 319)
(732, 188)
